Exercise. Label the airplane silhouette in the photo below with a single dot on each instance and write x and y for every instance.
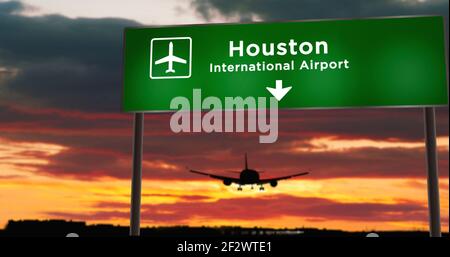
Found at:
(170, 59)
(249, 177)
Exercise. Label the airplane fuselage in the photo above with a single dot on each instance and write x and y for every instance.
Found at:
(249, 176)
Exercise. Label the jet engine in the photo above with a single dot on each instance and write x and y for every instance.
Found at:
(227, 182)
(273, 183)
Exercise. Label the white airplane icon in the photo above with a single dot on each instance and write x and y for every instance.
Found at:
(170, 59)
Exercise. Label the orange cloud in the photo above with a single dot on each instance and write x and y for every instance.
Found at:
(334, 144)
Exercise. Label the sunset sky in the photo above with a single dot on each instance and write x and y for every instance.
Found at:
(65, 145)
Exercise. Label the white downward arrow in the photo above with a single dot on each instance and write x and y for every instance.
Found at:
(279, 92)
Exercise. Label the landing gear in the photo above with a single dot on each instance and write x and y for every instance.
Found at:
(261, 187)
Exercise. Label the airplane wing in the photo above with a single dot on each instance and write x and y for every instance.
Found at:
(268, 180)
(178, 59)
(163, 60)
(235, 180)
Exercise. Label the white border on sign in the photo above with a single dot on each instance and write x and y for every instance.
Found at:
(171, 38)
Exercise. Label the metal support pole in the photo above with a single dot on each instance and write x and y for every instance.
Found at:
(432, 172)
(136, 181)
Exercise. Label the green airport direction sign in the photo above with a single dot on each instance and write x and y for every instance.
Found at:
(374, 62)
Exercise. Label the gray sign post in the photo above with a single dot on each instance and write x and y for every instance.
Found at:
(136, 180)
(432, 172)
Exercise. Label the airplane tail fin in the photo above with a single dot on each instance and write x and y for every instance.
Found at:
(170, 71)
(246, 163)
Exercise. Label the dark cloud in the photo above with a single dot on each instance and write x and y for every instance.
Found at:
(401, 124)
(61, 62)
(11, 7)
(317, 9)
(265, 207)
(87, 164)
(96, 162)
(99, 144)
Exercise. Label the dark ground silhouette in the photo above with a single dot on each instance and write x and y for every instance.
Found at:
(60, 228)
